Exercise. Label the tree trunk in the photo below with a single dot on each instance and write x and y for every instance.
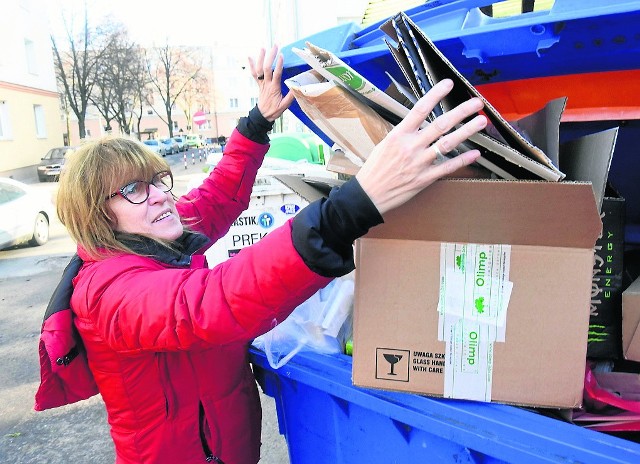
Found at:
(82, 131)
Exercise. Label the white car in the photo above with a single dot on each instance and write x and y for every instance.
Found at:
(25, 214)
(156, 146)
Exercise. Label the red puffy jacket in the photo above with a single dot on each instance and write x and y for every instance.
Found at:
(166, 339)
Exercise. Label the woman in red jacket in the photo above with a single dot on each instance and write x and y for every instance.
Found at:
(166, 337)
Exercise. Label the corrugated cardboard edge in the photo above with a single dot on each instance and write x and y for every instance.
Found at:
(631, 321)
(309, 188)
(511, 212)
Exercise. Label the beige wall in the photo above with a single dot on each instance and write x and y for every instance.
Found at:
(226, 123)
(23, 147)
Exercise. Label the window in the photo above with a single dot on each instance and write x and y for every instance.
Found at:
(254, 101)
(41, 126)
(9, 193)
(30, 53)
(5, 126)
(233, 103)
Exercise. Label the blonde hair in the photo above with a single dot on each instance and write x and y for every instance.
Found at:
(90, 175)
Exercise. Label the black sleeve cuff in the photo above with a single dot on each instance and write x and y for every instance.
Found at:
(324, 231)
(255, 127)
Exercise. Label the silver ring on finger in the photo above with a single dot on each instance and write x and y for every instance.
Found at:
(439, 154)
(260, 77)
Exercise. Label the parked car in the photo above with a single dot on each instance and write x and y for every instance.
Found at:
(182, 143)
(157, 146)
(26, 213)
(194, 141)
(51, 163)
(170, 146)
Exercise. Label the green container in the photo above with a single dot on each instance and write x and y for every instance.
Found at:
(296, 147)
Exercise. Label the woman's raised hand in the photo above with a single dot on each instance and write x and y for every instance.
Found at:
(271, 102)
(403, 163)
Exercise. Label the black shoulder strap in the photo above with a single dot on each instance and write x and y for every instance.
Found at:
(61, 297)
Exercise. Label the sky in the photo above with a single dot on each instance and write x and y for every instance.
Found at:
(241, 23)
(156, 21)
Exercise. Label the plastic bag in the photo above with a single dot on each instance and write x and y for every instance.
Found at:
(323, 323)
(611, 401)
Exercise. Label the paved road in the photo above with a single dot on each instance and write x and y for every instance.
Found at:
(76, 433)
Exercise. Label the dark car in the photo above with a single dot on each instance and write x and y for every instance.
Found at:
(182, 143)
(51, 164)
(170, 146)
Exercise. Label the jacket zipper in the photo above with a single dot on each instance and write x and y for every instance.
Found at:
(209, 456)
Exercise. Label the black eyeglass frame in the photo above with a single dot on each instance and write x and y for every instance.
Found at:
(148, 184)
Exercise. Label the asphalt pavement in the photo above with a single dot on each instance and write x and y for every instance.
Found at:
(79, 432)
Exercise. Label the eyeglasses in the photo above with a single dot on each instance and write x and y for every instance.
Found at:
(137, 192)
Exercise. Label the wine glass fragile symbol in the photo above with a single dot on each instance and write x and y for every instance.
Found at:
(392, 359)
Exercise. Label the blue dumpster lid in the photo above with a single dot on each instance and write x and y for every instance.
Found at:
(580, 45)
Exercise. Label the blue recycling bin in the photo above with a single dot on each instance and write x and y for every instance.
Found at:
(324, 418)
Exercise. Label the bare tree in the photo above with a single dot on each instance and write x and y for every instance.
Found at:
(135, 89)
(103, 94)
(195, 96)
(171, 70)
(76, 69)
(142, 96)
(120, 75)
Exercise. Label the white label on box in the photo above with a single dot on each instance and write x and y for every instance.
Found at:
(474, 295)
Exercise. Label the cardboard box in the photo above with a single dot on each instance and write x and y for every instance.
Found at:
(631, 322)
(399, 342)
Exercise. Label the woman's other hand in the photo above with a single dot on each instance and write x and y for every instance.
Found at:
(403, 163)
(271, 102)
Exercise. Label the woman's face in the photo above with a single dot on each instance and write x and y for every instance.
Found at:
(157, 216)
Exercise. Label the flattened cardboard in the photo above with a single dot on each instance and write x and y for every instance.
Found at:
(551, 228)
(543, 128)
(353, 125)
(334, 69)
(588, 158)
(631, 322)
(309, 188)
(338, 162)
(517, 156)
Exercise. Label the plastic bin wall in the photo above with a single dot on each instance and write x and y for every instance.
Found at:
(326, 419)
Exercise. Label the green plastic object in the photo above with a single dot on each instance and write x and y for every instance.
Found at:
(296, 147)
(348, 348)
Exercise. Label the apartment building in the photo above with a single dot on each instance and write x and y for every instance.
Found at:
(30, 121)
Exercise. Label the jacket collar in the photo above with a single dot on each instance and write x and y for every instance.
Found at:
(178, 256)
